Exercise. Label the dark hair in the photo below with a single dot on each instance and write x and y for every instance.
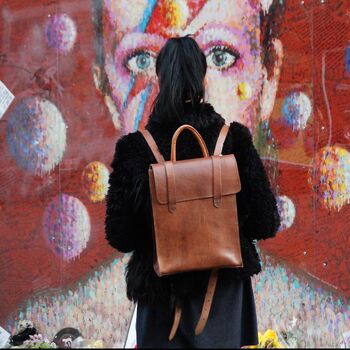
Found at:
(181, 67)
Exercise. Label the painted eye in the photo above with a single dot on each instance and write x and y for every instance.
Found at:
(221, 57)
(141, 62)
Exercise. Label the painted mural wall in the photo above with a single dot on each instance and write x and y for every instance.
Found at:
(82, 73)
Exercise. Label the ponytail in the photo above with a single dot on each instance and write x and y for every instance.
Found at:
(181, 67)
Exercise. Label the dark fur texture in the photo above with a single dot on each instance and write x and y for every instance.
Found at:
(128, 216)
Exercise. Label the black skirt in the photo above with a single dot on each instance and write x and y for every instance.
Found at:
(232, 321)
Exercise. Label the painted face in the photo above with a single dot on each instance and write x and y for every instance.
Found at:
(227, 31)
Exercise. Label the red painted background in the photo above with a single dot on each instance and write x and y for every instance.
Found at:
(28, 266)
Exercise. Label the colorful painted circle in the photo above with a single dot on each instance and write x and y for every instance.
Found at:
(286, 209)
(67, 226)
(36, 135)
(61, 33)
(296, 110)
(331, 177)
(95, 181)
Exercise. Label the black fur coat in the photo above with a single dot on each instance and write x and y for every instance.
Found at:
(128, 223)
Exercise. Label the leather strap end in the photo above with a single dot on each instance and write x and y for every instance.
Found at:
(208, 299)
(172, 208)
(200, 327)
(217, 202)
(176, 322)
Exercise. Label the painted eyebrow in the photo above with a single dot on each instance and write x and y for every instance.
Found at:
(136, 41)
(222, 34)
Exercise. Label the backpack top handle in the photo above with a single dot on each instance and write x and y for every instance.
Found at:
(195, 133)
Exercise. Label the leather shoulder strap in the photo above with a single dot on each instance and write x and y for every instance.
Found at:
(152, 145)
(221, 140)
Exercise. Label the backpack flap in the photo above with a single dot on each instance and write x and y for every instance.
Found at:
(187, 173)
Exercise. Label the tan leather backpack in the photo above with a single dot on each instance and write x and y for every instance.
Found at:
(195, 224)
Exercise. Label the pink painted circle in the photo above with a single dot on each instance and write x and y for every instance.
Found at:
(61, 33)
(67, 226)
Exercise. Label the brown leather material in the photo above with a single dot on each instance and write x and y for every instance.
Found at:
(217, 181)
(185, 238)
(195, 217)
(195, 133)
(221, 139)
(176, 322)
(173, 251)
(171, 186)
(152, 145)
(189, 171)
(208, 299)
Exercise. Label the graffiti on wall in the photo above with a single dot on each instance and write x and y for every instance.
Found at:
(84, 75)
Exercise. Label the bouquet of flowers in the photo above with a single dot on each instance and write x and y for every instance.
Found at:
(37, 341)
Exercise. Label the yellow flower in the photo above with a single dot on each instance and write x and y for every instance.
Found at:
(271, 334)
(261, 339)
(267, 340)
(98, 344)
(271, 338)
